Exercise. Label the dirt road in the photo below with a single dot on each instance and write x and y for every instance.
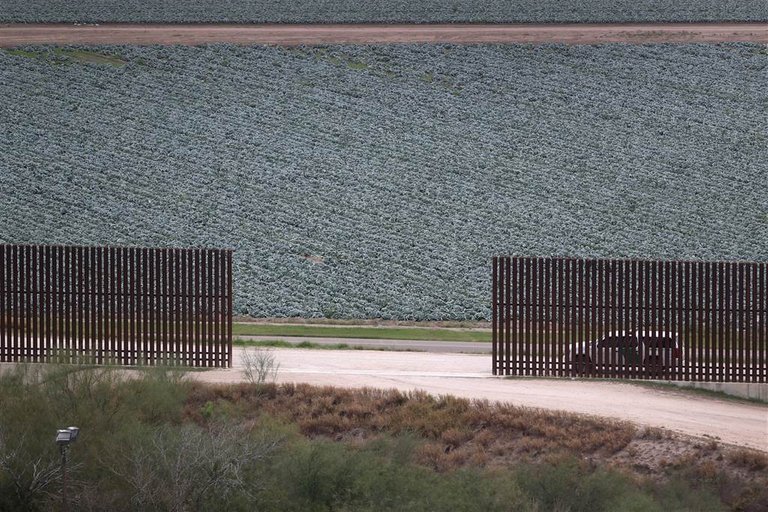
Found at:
(21, 34)
(468, 375)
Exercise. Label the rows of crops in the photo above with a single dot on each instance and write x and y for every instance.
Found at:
(378, 181)
(419, 11)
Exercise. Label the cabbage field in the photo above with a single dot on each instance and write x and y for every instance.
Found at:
(389, 11)
(378, 181)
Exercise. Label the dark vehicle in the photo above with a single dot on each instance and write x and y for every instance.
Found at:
(651, 351)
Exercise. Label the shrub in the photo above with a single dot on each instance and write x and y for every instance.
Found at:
(188, 467)
(749, 459)
(259, 366)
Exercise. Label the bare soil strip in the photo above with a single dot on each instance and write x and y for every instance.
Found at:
(291, 35)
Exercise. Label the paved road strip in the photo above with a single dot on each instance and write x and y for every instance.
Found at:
(289, 34)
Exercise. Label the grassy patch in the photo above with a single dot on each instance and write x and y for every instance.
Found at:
(308, 344)
(384, 333)
(357, 65)
(60, 55)
(84, 56)
(287, 344)
(25, 53)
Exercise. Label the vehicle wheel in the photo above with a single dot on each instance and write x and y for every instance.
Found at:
(581, 365)
(654, 366)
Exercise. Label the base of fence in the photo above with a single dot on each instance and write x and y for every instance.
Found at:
(747, 390)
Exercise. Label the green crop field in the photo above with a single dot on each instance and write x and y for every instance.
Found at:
(378, 181)
(388, 11)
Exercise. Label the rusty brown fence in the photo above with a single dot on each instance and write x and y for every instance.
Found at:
(121, 305)
(638, 319)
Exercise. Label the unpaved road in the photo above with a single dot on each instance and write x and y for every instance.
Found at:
(468, 376)
(193, 34)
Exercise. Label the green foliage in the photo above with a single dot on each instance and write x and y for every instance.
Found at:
(25, 53)
(323, 476)
(677, 494)
(568, 487)
(85, 56)
(207, 410)
(109, 405)
(380, 11)
(139, 450)
(69, 56)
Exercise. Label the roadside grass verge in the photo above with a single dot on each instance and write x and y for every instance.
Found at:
(386, 333)
(315, 346)
(287, 344)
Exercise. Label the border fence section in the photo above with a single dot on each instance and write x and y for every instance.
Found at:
(635, 319)
(120, 305)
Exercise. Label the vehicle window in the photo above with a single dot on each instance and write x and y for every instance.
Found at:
(658, 342)
(627, 342)
(607, 342)
(620, 342)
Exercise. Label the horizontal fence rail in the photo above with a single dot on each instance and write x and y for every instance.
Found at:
(119, 305)
(637, 319)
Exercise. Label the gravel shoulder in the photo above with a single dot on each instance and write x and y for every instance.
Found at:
(312, 34)
(468, 376)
